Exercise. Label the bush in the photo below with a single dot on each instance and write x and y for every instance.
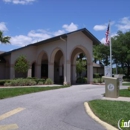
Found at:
(14, 83)
(40, 83)
(99, 80)
(94, 80)
(39, 80)
(96, 75)
(2, 82)
(21, 82)
(81, 80)
(32, 82)
(7, 84)
(30, 78)
(129, 88)
(48, 81)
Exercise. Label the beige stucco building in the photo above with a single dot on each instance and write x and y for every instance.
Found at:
(54, 58)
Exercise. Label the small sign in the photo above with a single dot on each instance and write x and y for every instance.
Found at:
(110, 87)
(107, 70)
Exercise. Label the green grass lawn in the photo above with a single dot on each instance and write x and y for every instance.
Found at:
(126, 84)
(124, 93)
(11, 92)
(111, 111)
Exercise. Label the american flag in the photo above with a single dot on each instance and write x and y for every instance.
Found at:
(107, 35)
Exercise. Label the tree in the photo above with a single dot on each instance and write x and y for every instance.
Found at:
(81, 64)
(121, 51)
(4, 39)
(101, 54)
(80, 67)
(21, 65)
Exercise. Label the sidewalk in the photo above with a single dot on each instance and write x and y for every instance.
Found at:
(127, 99)
(53, 85)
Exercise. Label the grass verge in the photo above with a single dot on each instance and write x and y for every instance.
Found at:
(11, 92)
(111, 111)
(124, 93)
(126, 84)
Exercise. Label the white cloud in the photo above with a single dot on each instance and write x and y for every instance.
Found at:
(59, 32)
(38, 34)
(103, 26)
(71, 27)
(19, 1)
(103, 40)
(99, 27)
(20, 40)
(34, 36)
(124, 24)
(3, 26)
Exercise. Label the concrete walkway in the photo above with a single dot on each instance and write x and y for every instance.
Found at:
(117, 99)
(53, 85)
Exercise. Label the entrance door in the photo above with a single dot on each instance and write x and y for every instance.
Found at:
(44, 71)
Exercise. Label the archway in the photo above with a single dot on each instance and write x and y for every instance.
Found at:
(58, 67)
(42, 65)
(75, 53)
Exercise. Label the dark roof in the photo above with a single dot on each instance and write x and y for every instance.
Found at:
(83, 30)
(97, 65)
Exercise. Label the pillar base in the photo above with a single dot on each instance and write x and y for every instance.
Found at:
(66, 83)
(90, 82)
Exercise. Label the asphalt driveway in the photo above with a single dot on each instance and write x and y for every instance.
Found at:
(61, 109)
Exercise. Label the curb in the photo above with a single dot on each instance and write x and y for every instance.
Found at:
(92, 115)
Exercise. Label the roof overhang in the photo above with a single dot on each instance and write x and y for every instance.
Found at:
(63, 36)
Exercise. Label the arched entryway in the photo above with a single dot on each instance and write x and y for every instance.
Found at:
(58, 67)
(42, 65)
(75, 53)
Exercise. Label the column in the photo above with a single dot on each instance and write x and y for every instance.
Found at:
(68, 72)
(51, 71)
(73, 75)
(65, 82)
(38, 70)
(12, 72)
(29, 74)
(90, 73)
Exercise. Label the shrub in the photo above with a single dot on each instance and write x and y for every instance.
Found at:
(7, 84)
(99, 80)
(129, 88)
(21, 65)
(96, 75)
(30, 78)
(39, 80)
(31, 82)
(21, 82)
(2, 82)
(81, 80)
(14, 83)
(48, 81)
(40, 83)
(95, 81)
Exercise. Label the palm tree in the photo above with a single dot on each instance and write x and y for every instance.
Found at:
(4, 39)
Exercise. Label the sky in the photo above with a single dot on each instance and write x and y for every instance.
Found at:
(30, 21)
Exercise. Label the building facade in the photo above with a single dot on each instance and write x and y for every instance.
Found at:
(53, 58)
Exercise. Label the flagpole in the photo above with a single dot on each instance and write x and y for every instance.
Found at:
(110, 50)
